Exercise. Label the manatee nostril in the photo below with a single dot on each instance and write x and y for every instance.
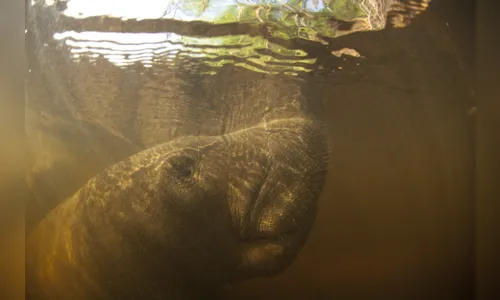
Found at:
(182, 166)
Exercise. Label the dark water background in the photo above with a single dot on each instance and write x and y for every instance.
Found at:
(396, 215)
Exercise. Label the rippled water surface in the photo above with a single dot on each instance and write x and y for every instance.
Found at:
(264, 36)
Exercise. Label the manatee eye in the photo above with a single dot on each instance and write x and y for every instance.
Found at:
(182, 166)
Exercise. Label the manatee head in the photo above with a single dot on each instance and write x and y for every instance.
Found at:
(206, 209)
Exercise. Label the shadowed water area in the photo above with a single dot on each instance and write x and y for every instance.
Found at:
(384, 80)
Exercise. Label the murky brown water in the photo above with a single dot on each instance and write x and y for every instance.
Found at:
(395, 218)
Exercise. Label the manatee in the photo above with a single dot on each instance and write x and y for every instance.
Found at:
(182, 219)
(153, 181)
(218, 180)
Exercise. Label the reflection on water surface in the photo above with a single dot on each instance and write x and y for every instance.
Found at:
(258, 35)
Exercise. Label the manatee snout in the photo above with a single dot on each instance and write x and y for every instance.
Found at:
(253, 191)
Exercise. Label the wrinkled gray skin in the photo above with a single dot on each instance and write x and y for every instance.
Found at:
(222, 186)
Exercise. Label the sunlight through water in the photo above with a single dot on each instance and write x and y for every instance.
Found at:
(254, 34)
